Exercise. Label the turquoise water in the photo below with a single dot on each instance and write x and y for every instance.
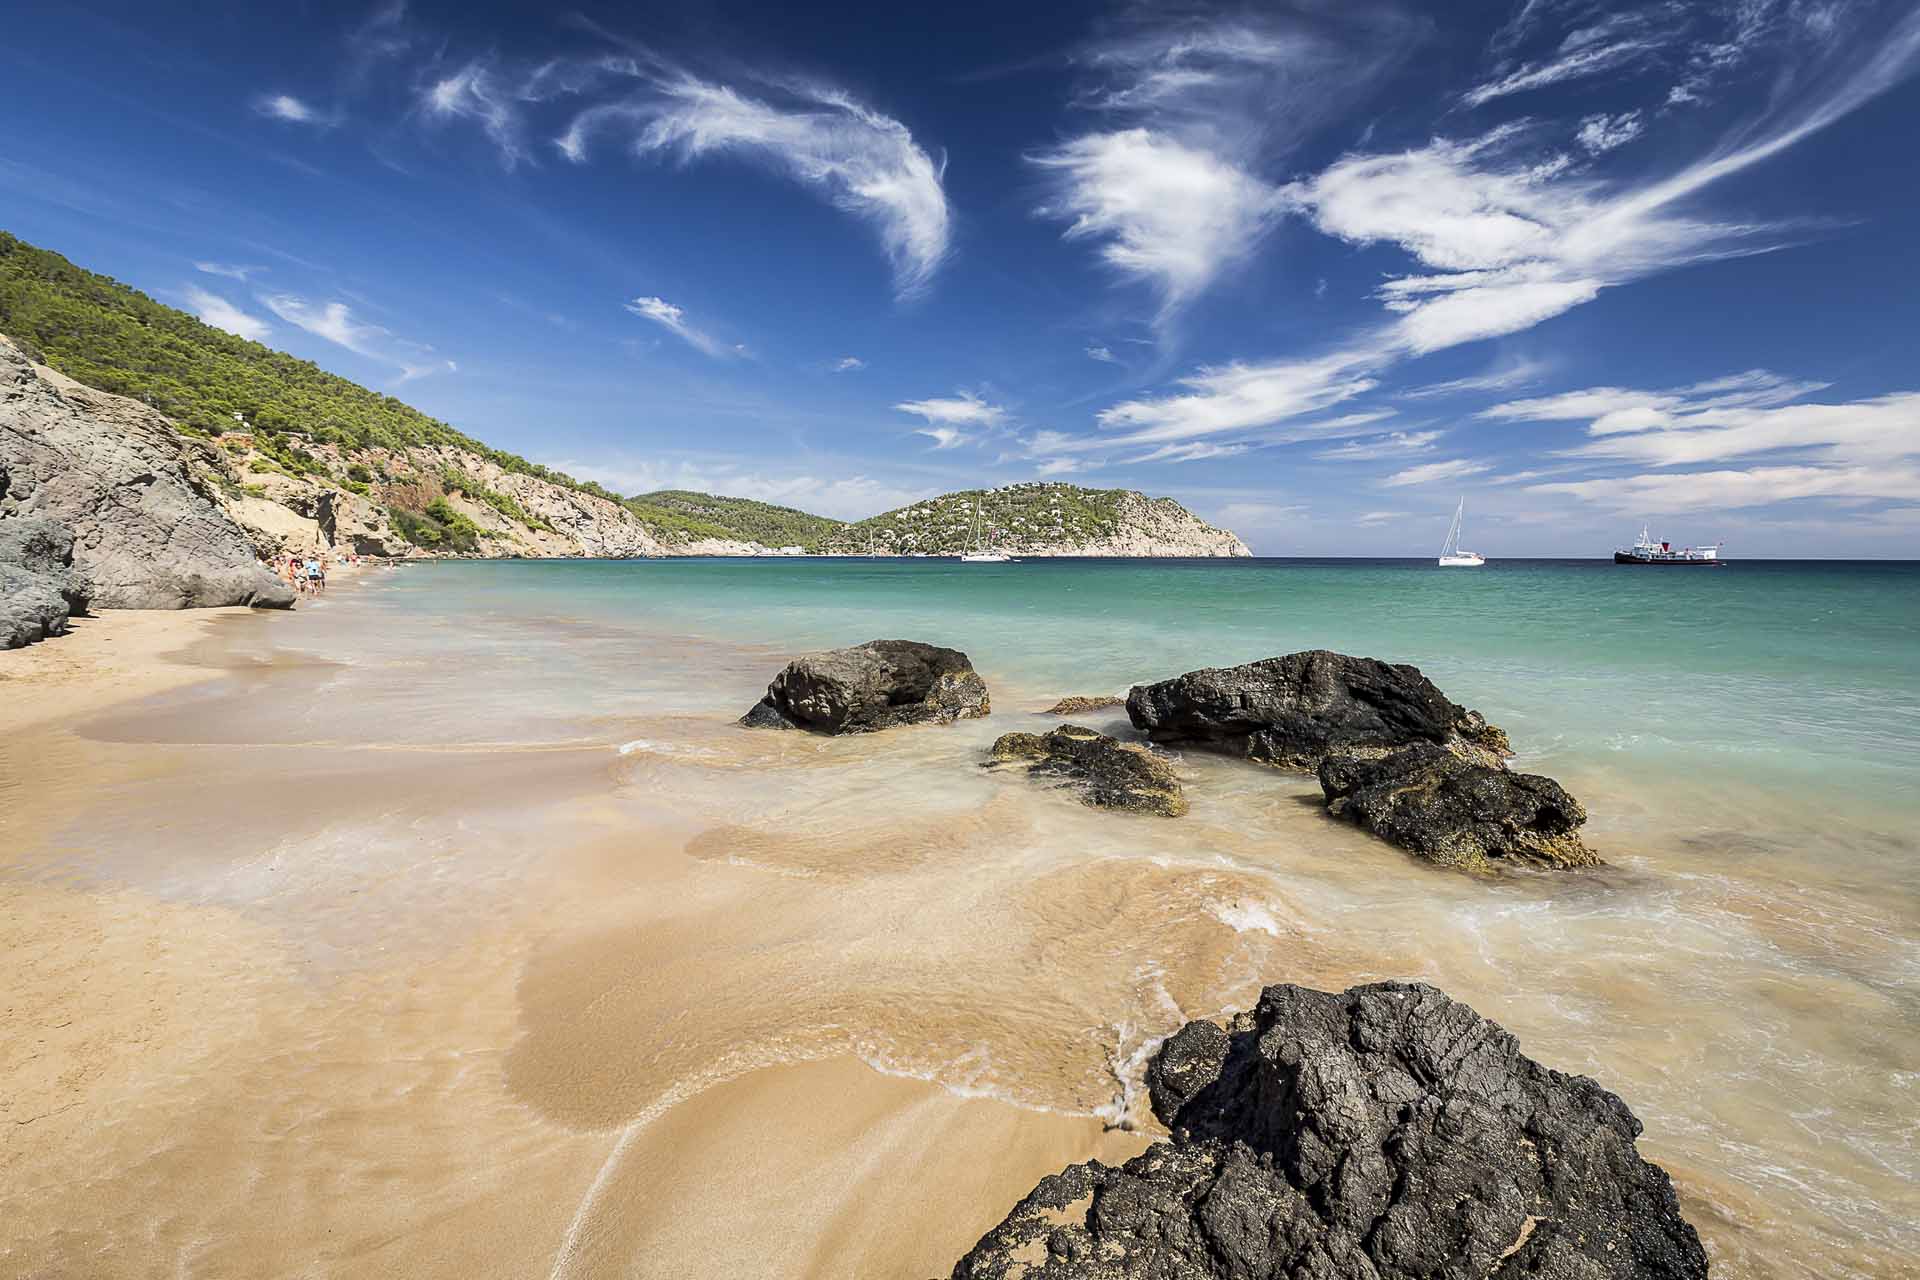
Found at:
(1745, 738)
(1775, 674)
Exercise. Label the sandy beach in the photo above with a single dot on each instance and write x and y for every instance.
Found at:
(239, 1090)
(437, 931)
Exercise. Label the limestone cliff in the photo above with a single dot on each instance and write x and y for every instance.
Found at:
(148, 530)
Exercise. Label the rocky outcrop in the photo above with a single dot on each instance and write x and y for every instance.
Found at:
(1387, 1133)
(1079, 706)
(1455, 812)
(872, 686)
(1104, 772)
(39, 587)
(148, 534)
(1295, 710)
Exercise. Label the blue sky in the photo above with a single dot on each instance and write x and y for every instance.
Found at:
(1317, 270)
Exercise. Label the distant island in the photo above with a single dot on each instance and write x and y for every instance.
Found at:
(303, 460)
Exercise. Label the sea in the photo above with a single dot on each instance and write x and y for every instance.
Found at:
(1744, 971)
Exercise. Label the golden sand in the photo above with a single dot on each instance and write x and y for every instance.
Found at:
(304, 978)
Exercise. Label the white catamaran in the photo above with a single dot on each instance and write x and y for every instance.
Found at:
(1451, 556)
(988, 552)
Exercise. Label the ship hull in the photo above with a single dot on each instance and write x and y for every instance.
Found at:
(1624, 557)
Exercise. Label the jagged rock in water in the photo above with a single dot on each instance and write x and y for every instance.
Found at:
(39, 587)
(1079, 706)
(1295, 710)
(148, 534)
(1456, 812)
(1387, 1133)
(871, 686)
(1106, 773)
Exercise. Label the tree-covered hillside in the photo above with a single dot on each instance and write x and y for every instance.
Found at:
(706, 515)
(103, 333)
(1019, 514)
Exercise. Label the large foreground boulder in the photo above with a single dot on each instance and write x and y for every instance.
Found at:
(872, 686)
(39, 587)
(1295, 710)
(147, 532)
(1387, 1133)
(1106, 773)
(1455, 812)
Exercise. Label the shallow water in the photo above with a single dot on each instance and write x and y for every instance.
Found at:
(538, 761)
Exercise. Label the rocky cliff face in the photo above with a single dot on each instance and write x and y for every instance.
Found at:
(149, 532)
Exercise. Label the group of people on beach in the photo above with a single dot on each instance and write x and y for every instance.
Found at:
(307, 575)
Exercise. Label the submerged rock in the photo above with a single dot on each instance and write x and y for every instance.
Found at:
(1387, 1133)
(1296, 710)
(148, 532)
(1458, 813)
(871, 686)
(1079, 706)
(39, 587)
(1107, 773)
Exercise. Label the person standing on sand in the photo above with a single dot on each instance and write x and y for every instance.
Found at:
(294, 579)
(315, 579)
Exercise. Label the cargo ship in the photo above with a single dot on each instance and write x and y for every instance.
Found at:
(1649, 551)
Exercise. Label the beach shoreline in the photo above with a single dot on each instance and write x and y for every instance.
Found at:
(452, 927)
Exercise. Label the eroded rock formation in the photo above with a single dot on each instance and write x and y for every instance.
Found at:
(1295, 710)
(147, 533)
(39, 587)
(1458, 813)
(872, 686)
(1386, 1133)
(1104, 772)
(1079, 706)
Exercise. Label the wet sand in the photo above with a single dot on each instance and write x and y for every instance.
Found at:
(335, 951)
(221, 1064)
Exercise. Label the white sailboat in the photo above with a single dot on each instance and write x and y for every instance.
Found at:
(1451, 556)
(983, 552)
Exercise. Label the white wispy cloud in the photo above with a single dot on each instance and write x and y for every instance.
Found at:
(334, 321)
(1428, 472)
(1164, 212)
(222, 314)
(1860, 449)
(943, 437)
(1243, 397)
(862, 161)
(1189, 112)
(849, 364)
(1517, 374)
(1194, 451)
(1601, 133)
(1575, 64)
(847, 495)
(1394, 444)
(1103, 354)
(674, 320)
(284, 106)
(1507, 237)
(227, 269)
(963, 409)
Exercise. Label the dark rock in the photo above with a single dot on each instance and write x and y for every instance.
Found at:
(1387, 1133)
(148, 532)
(871, 686)
(1295, 710)
(1456, 812)
(1079, 706)
(1107, 773)
(39, 587)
